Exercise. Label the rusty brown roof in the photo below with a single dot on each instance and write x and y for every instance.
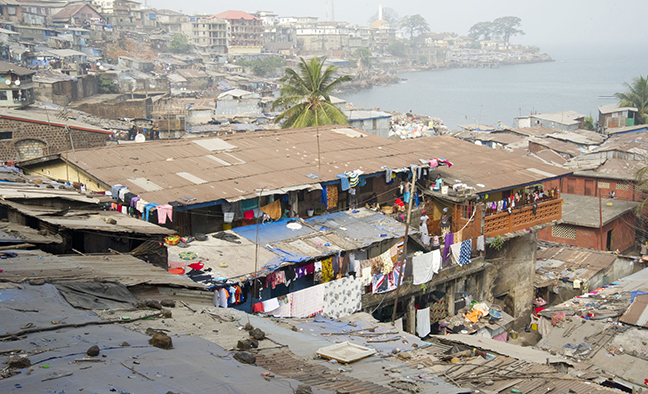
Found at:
(235, 167)
(637, 314)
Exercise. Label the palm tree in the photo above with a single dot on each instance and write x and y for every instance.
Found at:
(636, 96)
(306, 95)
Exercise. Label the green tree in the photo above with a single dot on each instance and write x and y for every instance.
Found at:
(306, 95)
(481, 29)
(389, 14)
(415, 25)
(262, 67)
(507, 27)
(397, 48)
(364, 55)
(589, 123)
(106, 84)
(636, 95)
(179, 43)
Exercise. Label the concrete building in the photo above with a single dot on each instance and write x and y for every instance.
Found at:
(170, 20)
(16, 86)
(39, 13)
(245, 32)
(207, 35)
(374, 122)
(10, 11)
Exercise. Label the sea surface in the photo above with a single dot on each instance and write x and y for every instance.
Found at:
(576, 80)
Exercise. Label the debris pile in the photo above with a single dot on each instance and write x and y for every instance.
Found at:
(406, 126)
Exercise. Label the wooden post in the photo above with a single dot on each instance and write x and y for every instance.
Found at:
(450, 298)
(403, 256)
(600, 218)
(411, 316)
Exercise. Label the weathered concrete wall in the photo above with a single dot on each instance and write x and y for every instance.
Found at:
(509, 280)
(589, 186)
(137, 108)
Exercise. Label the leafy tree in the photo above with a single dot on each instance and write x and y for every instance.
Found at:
(306, 95)
(636, 95)
(589, 123)
(397, 48)
(415, 25)
(106, 85)
(389, 14)
(482, 29)
(364, 55)
(179, 43)
(261, 67)
(507, 27)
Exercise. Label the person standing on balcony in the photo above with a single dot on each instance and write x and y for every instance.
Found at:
(444, 224)
(438, 183)
(423, 229)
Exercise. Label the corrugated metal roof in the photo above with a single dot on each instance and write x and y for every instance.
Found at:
(584, 210)
(91, 219)
(194, 365)
(584, 263)
(275, 159)
(637, 314)
(126, 269)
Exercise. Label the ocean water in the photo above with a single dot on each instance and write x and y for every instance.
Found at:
(574, 81)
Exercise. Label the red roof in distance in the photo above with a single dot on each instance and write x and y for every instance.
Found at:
(235, 15)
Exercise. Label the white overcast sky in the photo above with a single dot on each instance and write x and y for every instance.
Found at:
(546, 22)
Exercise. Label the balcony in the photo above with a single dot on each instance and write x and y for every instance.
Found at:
(519, 219)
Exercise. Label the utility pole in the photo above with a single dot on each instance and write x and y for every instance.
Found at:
(404, 254)
(600, 215)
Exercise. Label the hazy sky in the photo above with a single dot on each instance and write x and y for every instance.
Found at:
(546, 22)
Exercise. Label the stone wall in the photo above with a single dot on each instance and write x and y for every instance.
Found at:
(30, 140)
(136, 108)
(510, 277)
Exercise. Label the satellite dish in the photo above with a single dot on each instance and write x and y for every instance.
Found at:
(17, 82)
(8, 81)
(140, 138)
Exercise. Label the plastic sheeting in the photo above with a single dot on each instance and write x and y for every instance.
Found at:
(96, 295)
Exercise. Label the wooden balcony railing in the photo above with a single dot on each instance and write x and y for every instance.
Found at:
(519, 219)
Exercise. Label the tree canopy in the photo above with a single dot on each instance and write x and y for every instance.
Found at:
(501, 28)
(481, 29)
(262, 67)
(507, 27)
(414, 25)
(389, 14)
(636, 95)
(306, 95)
(179, 43)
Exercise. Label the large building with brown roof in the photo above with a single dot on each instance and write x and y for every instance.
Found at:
(245, 32)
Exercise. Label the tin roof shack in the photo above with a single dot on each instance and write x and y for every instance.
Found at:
(61, 89)
(80, 221)
(196, 79)
(30, 134)
(562, 272)
(612, 116)
(498, 195)
(140, 64)
(564, 120)
(589, 223)
(238, 102)
(76, 14)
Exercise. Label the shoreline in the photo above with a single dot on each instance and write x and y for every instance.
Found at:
(391, 77)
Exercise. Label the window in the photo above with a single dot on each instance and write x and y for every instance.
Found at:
(622, 186)
(3, 94)
(6, 135)
(563, 231)
(603, 185)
